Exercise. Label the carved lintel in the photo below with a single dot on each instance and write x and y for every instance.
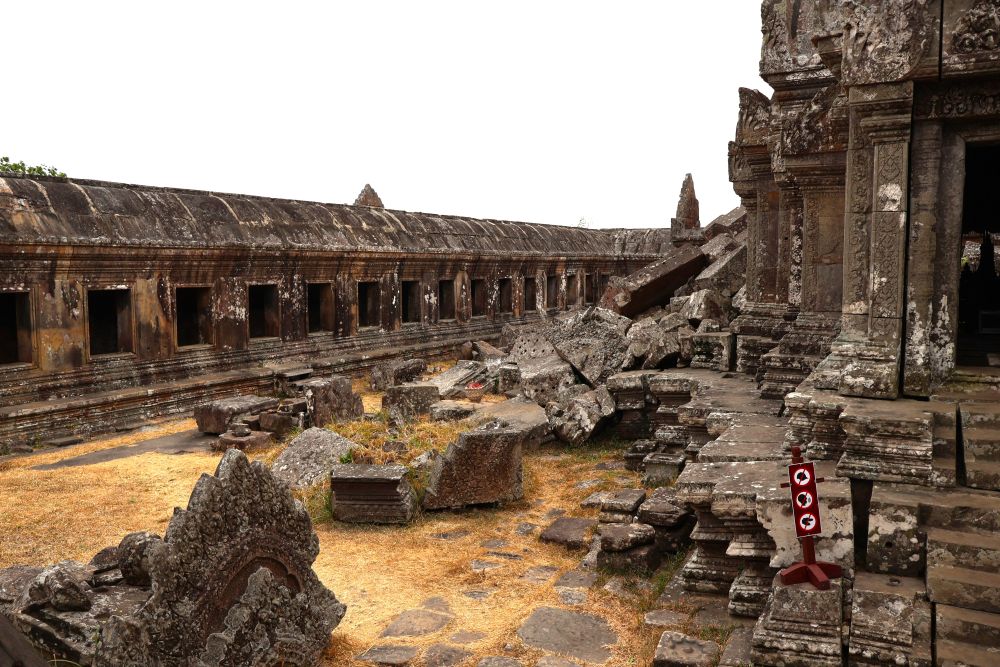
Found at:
(886, 41)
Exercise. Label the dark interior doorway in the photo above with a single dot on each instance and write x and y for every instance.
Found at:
(15, 328)
(479, 297)
(369, 305)
(194, 316)
(530, 295)
(979, 285)
(321, 307)
(264, 315)
(411, 301)
(109, 320)
(446, 300)
(505, 289)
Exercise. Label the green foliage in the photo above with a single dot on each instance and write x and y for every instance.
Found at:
(348, 457)
(22, 169)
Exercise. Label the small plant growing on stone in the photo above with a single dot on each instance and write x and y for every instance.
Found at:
(22, 169)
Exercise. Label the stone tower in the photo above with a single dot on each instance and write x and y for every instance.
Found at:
(685, 227)
(369, 197)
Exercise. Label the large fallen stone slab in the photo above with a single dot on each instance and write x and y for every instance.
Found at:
(452, 382)
(678, 650)
(331, 399)
(309, 458)
(544, 379)
(582, 636)
(653, 285)
(483, 466)
(215, 417)
(361, 493)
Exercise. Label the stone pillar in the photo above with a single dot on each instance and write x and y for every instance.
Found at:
(868, 348)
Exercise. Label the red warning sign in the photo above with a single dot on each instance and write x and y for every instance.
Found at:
(805, 505)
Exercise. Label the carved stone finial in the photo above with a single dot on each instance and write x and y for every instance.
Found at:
(687, 208)
(369, 197)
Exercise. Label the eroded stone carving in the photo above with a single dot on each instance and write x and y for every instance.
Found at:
(978, 29)
(885, 41)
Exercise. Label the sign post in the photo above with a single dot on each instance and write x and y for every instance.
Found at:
(802, 481)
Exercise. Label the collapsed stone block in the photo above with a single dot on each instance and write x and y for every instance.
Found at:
(331, 399)
(594, 343)
(452, 382)
(575, 420)
(309, 458)
(281, 423)
(483, 466)
(451, 411)
(397, 371)
(410, 400)
(800, 626)
(242, 438)
(215, 417)
(650, 285)
(362, 493)
(890, 621)
(543, 379)
(706, 304)
(678, 650)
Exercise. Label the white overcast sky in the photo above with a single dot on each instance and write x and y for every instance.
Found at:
(542, 110)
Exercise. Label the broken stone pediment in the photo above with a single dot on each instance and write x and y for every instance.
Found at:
(231, 583)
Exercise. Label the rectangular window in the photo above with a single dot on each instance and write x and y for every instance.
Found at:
(265, 314)
(530, 295)
(109, 319)
(369, 304)
(194, 316)
(446, 300)
(15, 328)
(478, 297)
(551, 291)
(602, 284)
(572, 290)
(320, 307)
(590, 294)
(411, 301)
(506, 296)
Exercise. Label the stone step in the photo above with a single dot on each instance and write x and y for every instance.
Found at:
(980, 414)
(974, 551)
(982, 474)
(959, 509)
(964, 587)
(955, 624)
(958, 654)
(982, 443)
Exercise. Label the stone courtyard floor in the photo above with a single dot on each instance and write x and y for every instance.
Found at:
(452, 588)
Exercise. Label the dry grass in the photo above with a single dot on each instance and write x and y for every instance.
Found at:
(419, 436)
(377, 571)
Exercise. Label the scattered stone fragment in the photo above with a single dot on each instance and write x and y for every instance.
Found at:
(555, 661)
(577, 579)
(737, 651)
(539, 574)
(216, 416)
(678, 650)
(572, 596)
(398, 371)
(664, 618)
(467, 637)
(456, 478)
(331, 399)
(479, 565)
(410, 400)
(525, 528)
(625, 536)
(576, 634)
(587, 484)
(479, 594)
(593, 342)
(571, 532)
(554, 513)
(451, 535)
(281, 422)
(451, 411)
(310, 456)
(575, 420)
(242, 438)
(622, 506)
(437, 603)
(362, 493)
(499, 661)
(596, 499)
(443, 655)
(390, 654)
(417, 622)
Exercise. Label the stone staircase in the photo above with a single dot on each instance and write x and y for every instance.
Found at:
(966, 637)
(963, 575)
(981, 444)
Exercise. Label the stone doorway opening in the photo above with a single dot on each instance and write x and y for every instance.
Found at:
(978, 341)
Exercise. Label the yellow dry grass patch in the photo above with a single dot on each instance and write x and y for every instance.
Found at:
(377, 571)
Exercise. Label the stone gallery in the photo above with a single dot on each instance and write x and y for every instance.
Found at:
(384, 381)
